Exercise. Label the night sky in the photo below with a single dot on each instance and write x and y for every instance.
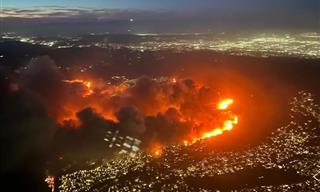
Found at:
(293, 14)
(182, 5)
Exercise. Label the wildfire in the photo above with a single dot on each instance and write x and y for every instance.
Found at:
(87, 86)
(156, 151)
(227, 125)
(203, 118)
(224, 104)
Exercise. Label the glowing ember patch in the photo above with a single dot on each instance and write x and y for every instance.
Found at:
(224, 104)
(88, 84)
(156, 151)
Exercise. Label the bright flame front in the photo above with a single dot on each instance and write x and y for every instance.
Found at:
(224, 104)
(228, 123)
(87, 86)
(227, 126)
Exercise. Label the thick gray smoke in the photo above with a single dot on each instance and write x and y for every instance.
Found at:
(26, 131)
(131, 121)
(43, 78)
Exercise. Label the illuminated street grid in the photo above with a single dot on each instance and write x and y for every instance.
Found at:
(294, 147)
(304, 45)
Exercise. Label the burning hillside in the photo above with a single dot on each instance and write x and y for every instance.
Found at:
(159, 111)
(151, 108)
(288, 160)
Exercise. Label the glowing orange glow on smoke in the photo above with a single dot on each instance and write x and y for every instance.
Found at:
(177, 100)
(224, 104)
(91, 93)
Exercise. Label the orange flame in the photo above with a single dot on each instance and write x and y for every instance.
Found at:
(87, 85)
(224, 104)
(228, 124)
